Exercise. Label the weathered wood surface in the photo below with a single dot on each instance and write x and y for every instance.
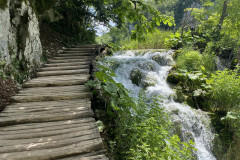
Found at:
(51, 117)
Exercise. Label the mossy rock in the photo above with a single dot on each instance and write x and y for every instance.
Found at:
(149, 66)
(219, 150)
(173, 78)
(190, 101)
(187, 136)
(234, 63)
(179, 97)
(136, 76)
(176, 53)
(163, 59)
(177, 128)
(148, 80)
(3, 4)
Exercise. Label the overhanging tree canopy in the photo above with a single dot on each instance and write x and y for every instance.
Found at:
(79, 14)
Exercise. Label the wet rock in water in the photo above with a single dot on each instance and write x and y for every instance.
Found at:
(179, 97)
(176, 111)
(197, 129)
(149, 66)
(136, 76)
(219, 149)
(187, 136)
(173, 78)
(163, 59)
(177, 128)
(148, 80)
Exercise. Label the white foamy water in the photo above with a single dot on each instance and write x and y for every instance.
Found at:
(194, 124)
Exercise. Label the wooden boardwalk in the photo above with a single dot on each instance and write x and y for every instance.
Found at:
(51, 118)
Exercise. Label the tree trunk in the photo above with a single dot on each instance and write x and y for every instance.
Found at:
(239, 54)
(224, 14)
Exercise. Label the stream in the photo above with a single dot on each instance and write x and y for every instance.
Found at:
(149, 70)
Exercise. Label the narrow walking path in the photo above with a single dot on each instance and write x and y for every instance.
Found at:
(51, 118)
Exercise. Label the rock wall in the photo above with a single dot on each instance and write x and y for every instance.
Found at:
(20, 45)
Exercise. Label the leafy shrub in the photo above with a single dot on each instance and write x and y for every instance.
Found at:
(141, 128)
(179, 40)
(225, 89)
(147, 134)
(225, 98)
(190, 61)
(114, 94)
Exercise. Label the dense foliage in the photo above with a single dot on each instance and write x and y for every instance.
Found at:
(212, 30)
(142, 129)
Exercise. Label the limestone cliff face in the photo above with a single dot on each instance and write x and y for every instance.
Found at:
(20, 45)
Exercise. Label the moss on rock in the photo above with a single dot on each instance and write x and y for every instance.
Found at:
(136, 76)
(3, 4)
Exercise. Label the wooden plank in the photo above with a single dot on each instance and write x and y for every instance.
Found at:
(45, 111)
(49, 154)
(51, 83)
(100, 152)
(38, 108)
(67, 64)
(74, 54)
(64, 68)
(62, 72)
(48, 128)
(67, 60)
(7, 121)
(48, 145)
(67, 135)
(38, 125)
(72, 57)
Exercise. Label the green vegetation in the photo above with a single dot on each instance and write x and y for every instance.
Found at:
(141, 128)
(190, 61)
(225, 89)
(155, 40)
(215, 33)
(3, 4)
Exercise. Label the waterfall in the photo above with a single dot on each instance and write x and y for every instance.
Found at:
(149, 70)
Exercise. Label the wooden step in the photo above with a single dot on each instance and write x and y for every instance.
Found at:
(72, 57)
(52, 94)
(79, 52)
(7, 121)
(57, 110)
(65, 68)
(49, 145)
(80, 49)
(31, 126)
(86, 130)
(62, 72)
(63, 80)
(67, 64)
(47, 104)
(67, 60)
(74, 54)
(84, 156)
(87, 46)
(38, 130)
(30, 134)
(48, 154)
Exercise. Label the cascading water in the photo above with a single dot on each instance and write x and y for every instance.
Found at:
(149, 70)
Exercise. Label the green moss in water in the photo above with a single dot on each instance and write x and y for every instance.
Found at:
(3, 4)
